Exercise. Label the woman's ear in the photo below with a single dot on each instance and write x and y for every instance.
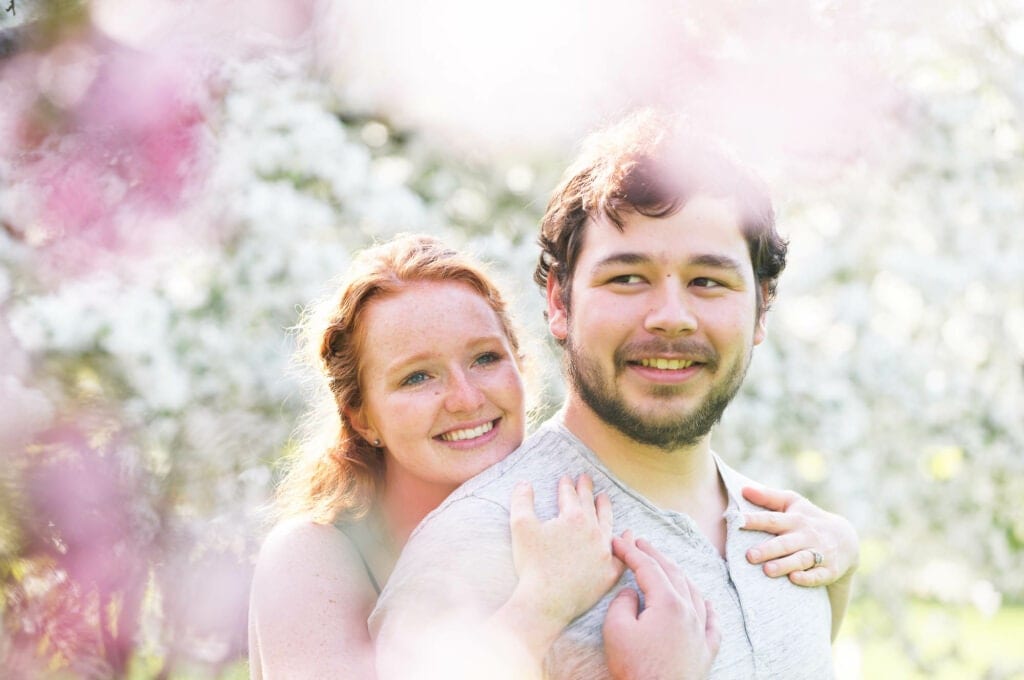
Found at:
(361, 424)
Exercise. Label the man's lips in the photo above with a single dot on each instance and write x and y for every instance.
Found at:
(664, 355)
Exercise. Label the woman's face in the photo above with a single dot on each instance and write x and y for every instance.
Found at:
(441, 386)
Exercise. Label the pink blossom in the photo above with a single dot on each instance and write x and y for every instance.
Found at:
(121, 146)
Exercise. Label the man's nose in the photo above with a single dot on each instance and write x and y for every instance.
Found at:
(673, 312)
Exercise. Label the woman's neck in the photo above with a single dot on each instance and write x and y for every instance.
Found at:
(405, 500)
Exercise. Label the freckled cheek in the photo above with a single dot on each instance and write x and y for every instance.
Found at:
(406, 407)
(505, 390)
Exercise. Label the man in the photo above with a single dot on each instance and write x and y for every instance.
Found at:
(660, 259)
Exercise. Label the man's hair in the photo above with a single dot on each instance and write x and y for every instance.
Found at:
(650, 164)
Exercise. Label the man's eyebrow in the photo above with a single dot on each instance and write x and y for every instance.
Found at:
(619, 259)
(716, 262)
(712, 260)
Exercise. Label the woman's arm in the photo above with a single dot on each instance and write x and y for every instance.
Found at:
(308, 607)
(563, 567)
(801, 529)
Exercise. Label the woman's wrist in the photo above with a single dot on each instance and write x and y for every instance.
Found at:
(529, 617)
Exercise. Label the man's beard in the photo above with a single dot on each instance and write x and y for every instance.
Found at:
(669, 433)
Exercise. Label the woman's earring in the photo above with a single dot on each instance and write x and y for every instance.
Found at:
(376, 442)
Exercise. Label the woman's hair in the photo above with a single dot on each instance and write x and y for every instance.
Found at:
(335, 473)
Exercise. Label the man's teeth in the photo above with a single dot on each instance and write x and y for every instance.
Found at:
(666, 364)
(472, 433)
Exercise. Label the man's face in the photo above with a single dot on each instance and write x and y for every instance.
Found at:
(662, 321)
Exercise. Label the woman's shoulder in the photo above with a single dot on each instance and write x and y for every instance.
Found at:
(309, 603)
(299, 547)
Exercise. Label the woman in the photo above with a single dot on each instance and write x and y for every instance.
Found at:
(419, 329)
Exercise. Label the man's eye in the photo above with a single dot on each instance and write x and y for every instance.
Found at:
(704, 282)
(627, 279)
(414, 378)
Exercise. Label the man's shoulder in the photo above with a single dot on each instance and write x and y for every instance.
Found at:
(734, 481)
(461, 553)
(482, 502)
(548, 451)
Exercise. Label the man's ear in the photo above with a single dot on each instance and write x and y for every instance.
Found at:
(760, 328)
(361, 424)
(761, 324)
(558, 316)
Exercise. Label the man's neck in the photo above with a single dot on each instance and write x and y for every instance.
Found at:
(684, 480)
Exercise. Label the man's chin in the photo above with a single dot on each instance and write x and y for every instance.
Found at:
(666, 439)
(660, 410)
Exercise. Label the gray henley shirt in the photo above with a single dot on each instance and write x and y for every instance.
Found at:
(462, 553)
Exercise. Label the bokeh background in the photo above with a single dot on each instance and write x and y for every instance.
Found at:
(178, 178)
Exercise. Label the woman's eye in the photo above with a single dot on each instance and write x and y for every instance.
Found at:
(488, 358)
(414, 379)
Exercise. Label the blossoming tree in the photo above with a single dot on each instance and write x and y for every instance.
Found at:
(176, 183)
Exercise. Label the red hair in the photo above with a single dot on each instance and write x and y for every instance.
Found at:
(339, 478)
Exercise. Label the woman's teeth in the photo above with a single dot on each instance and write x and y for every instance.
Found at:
(472, 433)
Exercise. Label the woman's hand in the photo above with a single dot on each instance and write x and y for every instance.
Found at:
(801, 529)
(565, 565)
(675, 636)
(803, 532)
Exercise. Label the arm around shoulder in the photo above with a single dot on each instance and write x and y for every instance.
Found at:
(812, 547)
(453, 575)
(308, 607)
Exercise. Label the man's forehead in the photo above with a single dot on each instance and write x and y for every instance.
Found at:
(703, 218)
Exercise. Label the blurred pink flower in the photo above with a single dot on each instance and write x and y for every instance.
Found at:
(82, 510)
(204, 581)
(142, 117)
(112, 141)
(82, 522)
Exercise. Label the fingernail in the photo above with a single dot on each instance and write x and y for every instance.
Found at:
(754, 554)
